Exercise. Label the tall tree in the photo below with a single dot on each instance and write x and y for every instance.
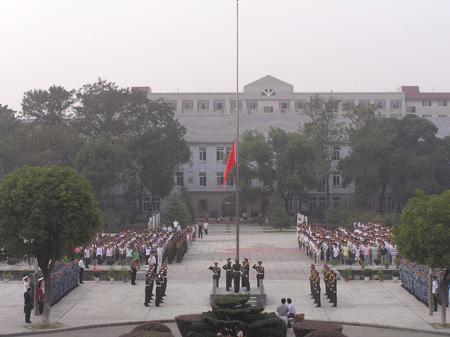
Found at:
(51, 107)
(8, 151)
(45, 212)
(424, 235)
(325, 131)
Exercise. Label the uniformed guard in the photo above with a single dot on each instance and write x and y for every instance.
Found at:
(164, 275)
(216, 274)
(228, 274)
(326, 279)
(158, 280)
(236, 275)
(333, 288)
(149, 280)
(259, 274)
(245, 274)
(311, 276)
(316, 286)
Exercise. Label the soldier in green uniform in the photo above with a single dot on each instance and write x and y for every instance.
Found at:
(311, 274)
(164, 275)
(316, 288)
(333, 288)
(236, 275)
(159, 281)
(228, 274)
(245, 268)
(326, 279)
(149, 280)
(259, 273)
(216, 274)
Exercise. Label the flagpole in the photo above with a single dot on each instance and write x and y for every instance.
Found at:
(237, 130)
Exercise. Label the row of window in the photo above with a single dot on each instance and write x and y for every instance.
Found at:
(220, 153)
(203, 179)
(284, 105)
(429, 102)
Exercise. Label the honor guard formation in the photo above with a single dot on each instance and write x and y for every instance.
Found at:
(238, 274)
(330, 280)
(160, 279)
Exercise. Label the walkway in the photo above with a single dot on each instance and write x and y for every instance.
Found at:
(383, 303)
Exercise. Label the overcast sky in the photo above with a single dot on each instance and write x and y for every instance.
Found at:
(189, 45)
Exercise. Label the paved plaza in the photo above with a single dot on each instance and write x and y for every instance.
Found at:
(189, 284)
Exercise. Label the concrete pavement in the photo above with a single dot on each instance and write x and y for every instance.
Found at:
(374, 302)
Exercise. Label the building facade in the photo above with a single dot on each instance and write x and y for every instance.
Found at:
(265, 103)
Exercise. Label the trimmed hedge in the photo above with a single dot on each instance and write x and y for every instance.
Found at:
(185, 322)
(149, 329)
(303, 328)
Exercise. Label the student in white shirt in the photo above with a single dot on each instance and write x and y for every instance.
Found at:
(434, 290)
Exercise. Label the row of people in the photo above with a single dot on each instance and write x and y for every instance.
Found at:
(236, 273)
(366, 242)
(330, 281)
(155, 279)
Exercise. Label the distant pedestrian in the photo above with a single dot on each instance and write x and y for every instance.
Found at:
(205, 226)
(283, 310)
(28, 305)
(434, 290)
(133, 267)
(81, 265)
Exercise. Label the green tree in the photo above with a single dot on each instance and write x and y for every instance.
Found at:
(424, 233)
(176, 210)
(51, 107)
(188, 202)
(278, 217)
(45, 212)
(8, 150)
(284, 163)
(324, 131)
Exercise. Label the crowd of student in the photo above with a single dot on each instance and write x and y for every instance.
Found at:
(123, 247)
(366, 243)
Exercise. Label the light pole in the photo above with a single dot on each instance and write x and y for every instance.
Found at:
(237, 130)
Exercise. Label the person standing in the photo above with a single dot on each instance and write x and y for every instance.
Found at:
(283, 310)
(216, 274)
(28, 305)
(200, 231)
(133, 267)
(434, 290)
(292, 309)
(26, 283)
(81, 265)
(205, 227)
(40, 296)
(236, 275)
(149, 279)
(228, 274)
(259, 273)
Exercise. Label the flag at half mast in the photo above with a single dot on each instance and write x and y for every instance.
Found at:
(231, 161)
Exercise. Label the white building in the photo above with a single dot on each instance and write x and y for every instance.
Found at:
(269, 102)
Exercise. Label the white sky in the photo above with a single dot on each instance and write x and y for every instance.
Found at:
(189, 45)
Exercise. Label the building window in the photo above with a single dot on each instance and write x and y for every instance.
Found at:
(300, 105)
(363, 102)
(230, 181)
(172, 104)
(146, 205)
(252, 106)
(219, 106)
(396, 104)
(187, 106)
(336, 179)
(426, 103)
(203, 205)
(380, 104)
(312, 203)
(203, 106)
(233, 105)
(426, 116)
(442, 116)
(219, 153)
(180, 178)
(442, 103)
(219, 178)
(411, 109)
(322, 202)
(202, 153)
(336, 202)
(268, 109)
(202, 176)
(284, 106)
(336, 155)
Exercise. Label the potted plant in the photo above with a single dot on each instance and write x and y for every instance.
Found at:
(377, 261)
(386, 264)
(381, 275)
(111, 274)
(346, 274)
(96, 274)
(7, 276)
(367, 273)
(124, 274)
(395, 275)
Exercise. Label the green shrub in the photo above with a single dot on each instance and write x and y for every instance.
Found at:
(381, 274)
(149, 329)
(395, 273)
(231, 301)
(346, 274)
(338, 216)
(185, 322)
(367, 272)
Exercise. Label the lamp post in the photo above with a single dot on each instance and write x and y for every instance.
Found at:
(237, 131)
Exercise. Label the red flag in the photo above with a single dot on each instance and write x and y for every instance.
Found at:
(230, 163)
